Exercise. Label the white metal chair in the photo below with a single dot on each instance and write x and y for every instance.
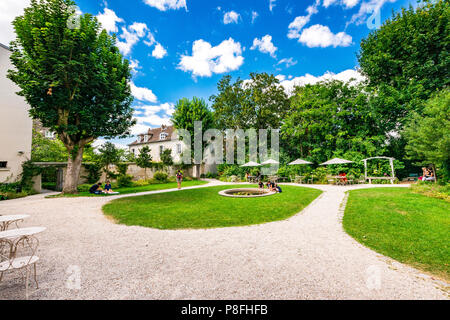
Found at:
(10, 261)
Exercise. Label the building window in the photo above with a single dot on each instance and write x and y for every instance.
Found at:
(161, 149)
(146, 138)
(134, 151)
(178, 148)
(49, 134)
(3, 164)
(163, 136)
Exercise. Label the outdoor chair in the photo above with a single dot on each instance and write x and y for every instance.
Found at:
(10, 261)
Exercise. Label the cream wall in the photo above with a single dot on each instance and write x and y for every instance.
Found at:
(15, 124)
(154, 147)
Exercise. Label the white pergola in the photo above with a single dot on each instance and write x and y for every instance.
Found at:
(391, 163)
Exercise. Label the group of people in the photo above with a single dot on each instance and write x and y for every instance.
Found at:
(97, 188)
(427, 175)
(272, 186)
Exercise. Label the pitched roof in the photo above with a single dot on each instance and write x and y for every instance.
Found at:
(154, 135)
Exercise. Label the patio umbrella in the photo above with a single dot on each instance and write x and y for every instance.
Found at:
(251, 164)
(299, 161)
(336, 161)
(268, 162)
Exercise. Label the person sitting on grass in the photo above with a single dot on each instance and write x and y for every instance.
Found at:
(269, 185)
(108, 188)
(96, 188)
(278, 188)
(261, 185)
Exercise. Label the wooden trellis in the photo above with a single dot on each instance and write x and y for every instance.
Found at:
(391, 163)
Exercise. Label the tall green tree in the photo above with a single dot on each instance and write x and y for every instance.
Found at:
(109, 155)
(166, 158)
(73, 77)
(187, 112)
(144, 159)
(428, 135)
(258, 103)
(408, 58)
(330, 119)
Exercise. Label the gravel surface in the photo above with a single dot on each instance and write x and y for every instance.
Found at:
(308, 256)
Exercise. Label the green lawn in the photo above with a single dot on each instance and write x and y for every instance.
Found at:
(205, 208)
(411, 228)
(150, 187)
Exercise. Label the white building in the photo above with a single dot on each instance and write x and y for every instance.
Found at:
(15, 124)
(158, 140)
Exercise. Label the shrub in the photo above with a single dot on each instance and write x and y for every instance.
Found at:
(84, 187)
(141, 183)
(125, 181)
(160, 176)
(93, 172)
(211, 175)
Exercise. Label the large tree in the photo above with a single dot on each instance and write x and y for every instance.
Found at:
(330, 119)
(408, 59)
(73, 77)
(186, 113)
(259, 102)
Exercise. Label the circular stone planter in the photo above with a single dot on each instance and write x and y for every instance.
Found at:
(246, 193)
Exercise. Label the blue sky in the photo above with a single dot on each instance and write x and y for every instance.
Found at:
(181, 48)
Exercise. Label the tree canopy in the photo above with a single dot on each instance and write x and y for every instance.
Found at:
(259, 102)
(73, 77)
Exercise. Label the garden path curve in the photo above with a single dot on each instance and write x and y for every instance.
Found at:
(308, 256)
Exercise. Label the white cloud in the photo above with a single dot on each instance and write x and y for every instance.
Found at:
(265, 45)
(272, 4)
(143, 94)
(164, 5)
(159, 52)
(254, 16)
(9, 10)
(344, 76)
(108, 19)
(100, 141)
(366, 9)
(206, 60)
(346, 3)
(288, 62)
(135, 66)
(155, 115)
(131, 35)
(299, 22)
(231, 17)
(321, 36)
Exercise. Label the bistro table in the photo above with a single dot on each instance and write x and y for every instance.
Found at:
(340, 180)
(6, 221)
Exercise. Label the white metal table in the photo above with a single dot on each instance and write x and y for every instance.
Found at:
(6, 221)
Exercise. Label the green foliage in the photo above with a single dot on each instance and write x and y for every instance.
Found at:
(428, 134)
(433, 190)
(93, 172)
(109, 155)
(187, 112)
(75, 80)
(47, 150)
(259, 103)
(166, 158)
(160, 176)
(29, 170)
(125, 181)
(144, 159)
(330, 118)
(410, 52)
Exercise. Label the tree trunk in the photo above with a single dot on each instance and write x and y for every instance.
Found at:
(73, 172)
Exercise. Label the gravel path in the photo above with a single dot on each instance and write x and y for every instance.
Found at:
(308, 256)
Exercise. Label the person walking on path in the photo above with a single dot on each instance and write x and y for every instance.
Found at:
(179, 178)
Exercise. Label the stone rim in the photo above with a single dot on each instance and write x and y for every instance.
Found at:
(225, 193)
